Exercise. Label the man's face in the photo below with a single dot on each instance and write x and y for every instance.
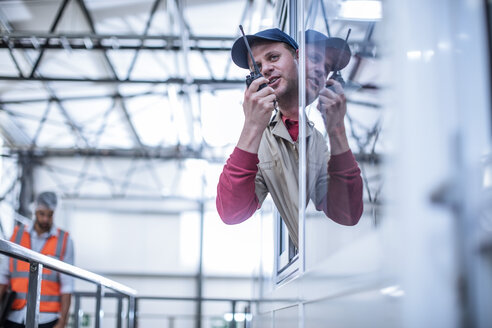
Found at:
(44, 219)
(318, 65)
(278, 64)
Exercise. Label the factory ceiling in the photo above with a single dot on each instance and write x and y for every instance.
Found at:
(139, 100)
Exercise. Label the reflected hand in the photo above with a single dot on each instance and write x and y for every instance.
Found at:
(332, 105)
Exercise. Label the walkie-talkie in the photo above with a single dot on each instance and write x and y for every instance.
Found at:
(337, 76)
(256, 73)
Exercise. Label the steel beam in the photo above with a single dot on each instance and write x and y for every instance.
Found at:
(217, 84)
(26, 193)
(52, 29)
(138, 141)
(99, 36)
(106, 45)
(170, 153)
(74, 98)
(147, 26)
(41, 124)
(90, 21)
(133, 130)
(362, 52)
(151, 152)
(7, 27)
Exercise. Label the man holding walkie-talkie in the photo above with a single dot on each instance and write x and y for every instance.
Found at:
(266, 158)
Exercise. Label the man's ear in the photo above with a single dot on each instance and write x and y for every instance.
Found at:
(297, 53)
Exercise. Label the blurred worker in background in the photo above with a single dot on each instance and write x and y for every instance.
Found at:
(266, 158)
(44, 237)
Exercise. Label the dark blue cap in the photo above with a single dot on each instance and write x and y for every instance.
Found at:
(336, 48)
(239, 52)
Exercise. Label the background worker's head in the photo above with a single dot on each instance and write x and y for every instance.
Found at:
(45, 206)
(275, 53)
(323, 55)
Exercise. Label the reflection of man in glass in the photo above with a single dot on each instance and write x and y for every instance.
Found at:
(266, 158)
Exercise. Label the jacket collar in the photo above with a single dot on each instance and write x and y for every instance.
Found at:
(278, 127)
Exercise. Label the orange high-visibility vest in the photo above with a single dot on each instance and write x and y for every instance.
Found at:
(50, 300)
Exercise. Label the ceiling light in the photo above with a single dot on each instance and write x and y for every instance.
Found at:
(393, 291)
(361, 10)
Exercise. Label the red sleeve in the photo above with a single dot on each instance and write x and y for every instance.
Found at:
(343, 201)
(236, 199)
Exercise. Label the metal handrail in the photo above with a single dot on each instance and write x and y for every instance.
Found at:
(233, 302)
(37, 261)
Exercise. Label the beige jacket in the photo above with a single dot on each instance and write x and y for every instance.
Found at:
(278, 171)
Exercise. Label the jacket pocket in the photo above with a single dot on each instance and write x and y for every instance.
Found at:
(269, 165)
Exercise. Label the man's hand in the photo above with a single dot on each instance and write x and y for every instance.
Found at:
(3, 289)
(257, 108)
(333, 107)
(59, 324)
(258, 105)
(65, 307)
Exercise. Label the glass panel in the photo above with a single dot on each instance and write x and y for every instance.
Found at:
(343, 135)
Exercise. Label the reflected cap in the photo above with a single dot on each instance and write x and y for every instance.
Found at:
(239, 51)
(336, 48)
(47, 199)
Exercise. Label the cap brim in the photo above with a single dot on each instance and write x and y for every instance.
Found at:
(339, 52)
(336, 48)
(239, 51)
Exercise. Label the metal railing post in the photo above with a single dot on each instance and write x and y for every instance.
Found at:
(76, 312)
(132, 309)
(119, 312)
(33, 294)
(98, 306)
(247, 313)
(232, 324)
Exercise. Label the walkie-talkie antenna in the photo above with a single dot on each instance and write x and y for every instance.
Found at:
(348, 34)
(257, 69)
(256, 74)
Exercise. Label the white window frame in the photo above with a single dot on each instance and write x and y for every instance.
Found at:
(286, 254)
